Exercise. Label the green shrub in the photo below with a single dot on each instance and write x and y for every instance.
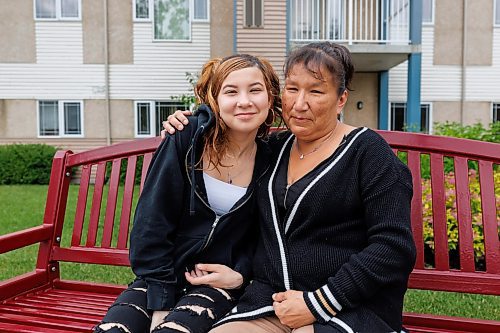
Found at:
(451, 216)
(26, 163)
(473, 132)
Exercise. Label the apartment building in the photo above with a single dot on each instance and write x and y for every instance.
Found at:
(460, 65)
(85, 73)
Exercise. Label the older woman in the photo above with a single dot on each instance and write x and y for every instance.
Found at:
(336, 248)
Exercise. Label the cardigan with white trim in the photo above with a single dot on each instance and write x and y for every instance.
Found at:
(348, 243)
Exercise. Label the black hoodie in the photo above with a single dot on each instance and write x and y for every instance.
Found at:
(174, 226)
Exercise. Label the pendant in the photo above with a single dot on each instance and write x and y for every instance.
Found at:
(301, 156)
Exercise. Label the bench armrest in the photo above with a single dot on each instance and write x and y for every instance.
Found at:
(19, 239)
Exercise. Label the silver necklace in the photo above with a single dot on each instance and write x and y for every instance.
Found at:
(302, 155)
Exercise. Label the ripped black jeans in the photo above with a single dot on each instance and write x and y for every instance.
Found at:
(195, 312)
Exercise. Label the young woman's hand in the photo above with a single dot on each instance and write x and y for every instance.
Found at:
(175, 122)
(214, 275)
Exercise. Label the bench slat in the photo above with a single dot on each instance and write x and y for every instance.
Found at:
(416, 206)
(81, 205)
(465, 236)
(96, 204)
(490, 223)
(109, 219)
(46, 322)
(145, 166)
(128, 195)
(23, 328)
(439, 213)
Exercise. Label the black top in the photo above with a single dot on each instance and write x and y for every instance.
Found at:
(174, 226)
(345, 241)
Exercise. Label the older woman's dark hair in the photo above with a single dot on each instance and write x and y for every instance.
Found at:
(335, 58)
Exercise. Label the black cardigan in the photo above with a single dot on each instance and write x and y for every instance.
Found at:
(173, 221)
(346, 242)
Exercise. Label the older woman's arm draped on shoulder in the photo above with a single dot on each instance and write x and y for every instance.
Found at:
(386, 189)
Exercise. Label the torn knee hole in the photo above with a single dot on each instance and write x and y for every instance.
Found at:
(202, 296)
(225, 293)
(108, 326)
(199, 310)
(172, 325)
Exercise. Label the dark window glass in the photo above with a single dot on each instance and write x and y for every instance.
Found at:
(143, 119)
(72, 118)
(48, 117)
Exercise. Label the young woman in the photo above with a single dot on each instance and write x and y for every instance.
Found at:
(193, 236)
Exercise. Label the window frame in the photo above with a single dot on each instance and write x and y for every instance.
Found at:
(134, 13)
(190, 18)
(433, 11)
(429, 120)
(496, 3)
(152, 119)
(495, 112)
(247, 26)
(60, 111)
(153, 104)
(207, 20)
(59, 16)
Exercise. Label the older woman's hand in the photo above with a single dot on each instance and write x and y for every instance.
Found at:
(175, 121)
(291, 309)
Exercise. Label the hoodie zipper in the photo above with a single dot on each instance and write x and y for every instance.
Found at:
(217, 217)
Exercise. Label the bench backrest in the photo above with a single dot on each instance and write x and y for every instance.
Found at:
(107, 193)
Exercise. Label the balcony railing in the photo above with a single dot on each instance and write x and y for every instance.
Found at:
(350, 21)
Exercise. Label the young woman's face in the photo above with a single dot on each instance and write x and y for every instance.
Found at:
(311, 105)
(243, 100)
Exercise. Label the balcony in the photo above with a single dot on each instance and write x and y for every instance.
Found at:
(376, 31)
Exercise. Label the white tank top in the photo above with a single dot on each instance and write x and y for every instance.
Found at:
(221, 195)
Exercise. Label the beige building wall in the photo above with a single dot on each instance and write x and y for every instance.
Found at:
(446, 111)
(365, 89)
(479, 33)
(449, 32)
(477, 112)
(17, 32)
(18, 119)
(122, 119)
(93, 31)
(448, 22)
(221, 28)
(120, 32)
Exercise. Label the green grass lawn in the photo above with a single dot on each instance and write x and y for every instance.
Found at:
(22, 206)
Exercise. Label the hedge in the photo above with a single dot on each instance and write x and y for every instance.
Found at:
(25, 163)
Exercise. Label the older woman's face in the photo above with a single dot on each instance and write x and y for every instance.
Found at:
(311, 105)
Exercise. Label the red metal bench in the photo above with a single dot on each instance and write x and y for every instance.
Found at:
(40, 301)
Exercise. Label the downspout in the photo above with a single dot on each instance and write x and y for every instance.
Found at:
(106, 74)
(464, 63)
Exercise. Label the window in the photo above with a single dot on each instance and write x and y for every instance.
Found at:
(398, 117)
(171, 20)
(497, 12)
(496, 112)
(60, 118)
(253, 12)
(201, 10)
(428, 11)
(141, 10)
(57, 9)
(149, 116)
